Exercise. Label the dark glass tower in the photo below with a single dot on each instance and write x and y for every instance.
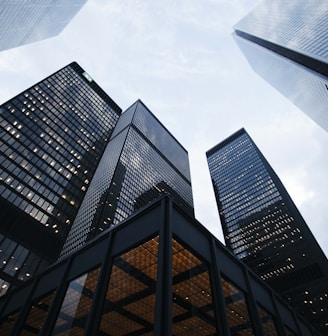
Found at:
(264, 229)
(52, 138)
(141, 162)
(23, 22)
(290, 37)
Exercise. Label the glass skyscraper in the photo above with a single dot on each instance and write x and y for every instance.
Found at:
(141, 162)
(264, 229)
(52, 138)
(26, 21)
(286, 43)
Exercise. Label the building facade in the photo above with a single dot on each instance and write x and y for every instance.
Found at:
(23, 22)
(52, 138)
(160, 272)
(141, 162)
(264, 229)
(291, 38)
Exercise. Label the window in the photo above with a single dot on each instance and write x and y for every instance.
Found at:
(76, 305)
(130, 298)
(192, 310)
(237, 310)
(37, 314)
(268, 324)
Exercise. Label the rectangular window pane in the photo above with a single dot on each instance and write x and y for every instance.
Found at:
(130, 299)
(268, 324)
(37, 314)
(76, 305)
(192, 310)
(237, 310)
(8, 323)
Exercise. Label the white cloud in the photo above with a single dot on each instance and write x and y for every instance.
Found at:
(180, 59)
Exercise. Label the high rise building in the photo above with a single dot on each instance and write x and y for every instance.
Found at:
(286, 43)
(23, 22)
(264, 229)
(52, 138)
(159, 273)
(141, 162)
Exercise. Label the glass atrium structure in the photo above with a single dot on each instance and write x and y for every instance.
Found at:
(52, 138)
(146, 276)
(141, 162)
(25, 21)
(264, 229)
(290, 37)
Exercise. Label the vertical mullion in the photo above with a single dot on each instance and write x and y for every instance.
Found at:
(163, 307)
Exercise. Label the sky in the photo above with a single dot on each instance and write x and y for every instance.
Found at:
(180, 59)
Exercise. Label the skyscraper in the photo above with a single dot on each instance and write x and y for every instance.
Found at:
(286, 42)
(264, 229)
(23, 22)
(141, 162)
(52, 138)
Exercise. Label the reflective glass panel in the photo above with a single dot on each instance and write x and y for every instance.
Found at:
(76, 305)
(237, 310)
(268, 324)
(8, 323)
(130, 299)
(37, 315)
(192, 308)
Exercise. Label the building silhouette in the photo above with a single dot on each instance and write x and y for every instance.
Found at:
(264, 229)
(52, 138)
(141, 157)
(159, 272)
(286, 43)
(23, 22)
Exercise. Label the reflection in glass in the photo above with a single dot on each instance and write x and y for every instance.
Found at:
(268, 324)
(8, 323)
(130, 298)
(37, 315)
(192, 310)
(76, 305)
(237, 310)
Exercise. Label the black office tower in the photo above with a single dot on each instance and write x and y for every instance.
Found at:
(286, 43)
(159, 272)
(264, 229)
(52, 138)
(141, 162)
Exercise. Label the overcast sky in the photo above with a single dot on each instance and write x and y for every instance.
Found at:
(180, 59)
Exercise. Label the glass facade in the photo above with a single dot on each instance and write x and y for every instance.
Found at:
(192, 305)
(292, 39)
(130, 299)
(75, 308)
(236, 309)
(141, 162)
(148, 277)
(263, 227)
(23, 22)
(52, 137)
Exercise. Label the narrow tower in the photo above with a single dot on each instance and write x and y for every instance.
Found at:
(264, 229)
(141, 162)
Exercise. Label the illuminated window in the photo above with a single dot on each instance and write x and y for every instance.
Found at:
(130, 299)
(192, 310)
(268, 324)
(74, 311)
(8, 323)
(37, 315)
(237, 310)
